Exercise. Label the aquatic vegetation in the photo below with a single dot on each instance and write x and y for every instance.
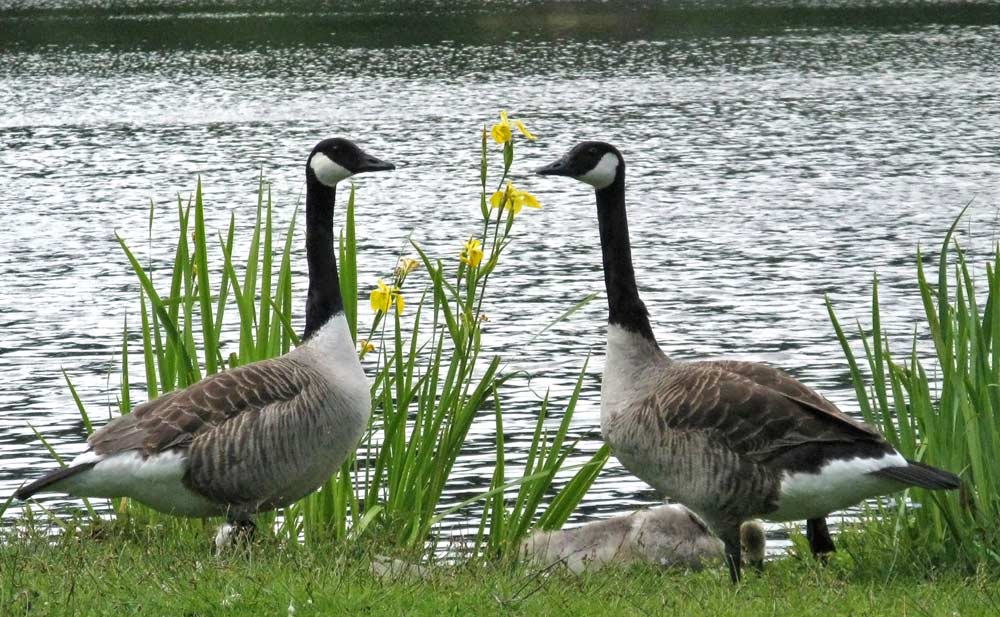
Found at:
(949, 415)
(433, 377)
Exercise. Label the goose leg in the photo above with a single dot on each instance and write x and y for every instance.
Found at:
(731, 539)
(819, 538)
(245, 529)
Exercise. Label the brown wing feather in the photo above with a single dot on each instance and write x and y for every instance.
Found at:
(762, 421)
(782, 382)
(176, 418)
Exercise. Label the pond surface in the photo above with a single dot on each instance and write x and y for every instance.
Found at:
(777, 152)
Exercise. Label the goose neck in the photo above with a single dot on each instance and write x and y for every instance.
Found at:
(324, 300)
(625, 308)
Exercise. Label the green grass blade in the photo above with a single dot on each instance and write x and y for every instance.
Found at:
(150, 353)
(852, 363)
(564, 316)
(209, 340)
(227, 280)
(264, 316)
(566, 502)
(168, 324)
(84, 416)
(125, 402)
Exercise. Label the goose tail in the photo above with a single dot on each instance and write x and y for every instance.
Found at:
(919, 474)
(53, 477)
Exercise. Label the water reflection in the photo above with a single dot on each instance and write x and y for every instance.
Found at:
(768, 166)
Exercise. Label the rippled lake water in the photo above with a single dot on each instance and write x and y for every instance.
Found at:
(777, 152)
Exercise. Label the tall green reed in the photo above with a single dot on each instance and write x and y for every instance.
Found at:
(432, 379)
(949, 417)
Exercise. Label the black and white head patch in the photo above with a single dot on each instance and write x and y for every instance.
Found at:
(328, 171)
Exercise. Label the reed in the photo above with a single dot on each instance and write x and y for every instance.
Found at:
(433, 377)
(947, 415)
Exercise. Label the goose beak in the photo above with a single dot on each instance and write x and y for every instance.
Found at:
(558, 168)
(371, 163)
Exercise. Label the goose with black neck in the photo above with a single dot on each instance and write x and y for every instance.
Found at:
(731, 440)
(256, 437)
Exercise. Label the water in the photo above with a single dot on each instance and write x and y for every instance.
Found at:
(777, 152)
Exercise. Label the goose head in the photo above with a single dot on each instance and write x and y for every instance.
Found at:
(336, 159)
(596, 163)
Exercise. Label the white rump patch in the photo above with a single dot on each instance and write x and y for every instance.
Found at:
(327, 171)
(838, 485)
(603, 174)
(155, 481)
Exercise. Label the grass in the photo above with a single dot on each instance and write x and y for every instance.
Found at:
(945, 412)
(117, 568)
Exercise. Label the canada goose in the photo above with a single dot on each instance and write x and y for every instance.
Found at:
(668, 535)
(256, 437)
(730, 440)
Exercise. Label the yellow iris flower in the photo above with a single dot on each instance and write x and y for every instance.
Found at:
(524, 130)
(496, 199)
(406, 265)
(365, 347)
(472, 253)
(527, 199)
(514, 199)
(502, 132)
(385, 296)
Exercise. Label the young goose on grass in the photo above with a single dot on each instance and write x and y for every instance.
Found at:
(730, 440)
(256, 437)
(669, 535)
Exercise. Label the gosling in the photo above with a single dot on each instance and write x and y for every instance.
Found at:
(669, 535)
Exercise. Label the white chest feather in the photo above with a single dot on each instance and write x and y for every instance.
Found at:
(632, 367)
(333, 341)
(838, 485)
(331, 351)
